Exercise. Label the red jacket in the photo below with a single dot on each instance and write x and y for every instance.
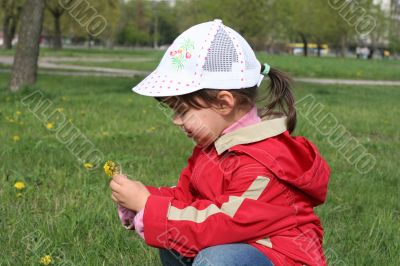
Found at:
(256, 185)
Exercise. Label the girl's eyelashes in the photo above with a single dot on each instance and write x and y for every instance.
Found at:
(181, 113)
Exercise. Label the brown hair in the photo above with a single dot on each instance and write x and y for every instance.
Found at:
(279, 99)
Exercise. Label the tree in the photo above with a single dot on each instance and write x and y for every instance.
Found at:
(86, 17)
(56, 10)
(254, 19)
(24, 70)
(167, 20)
(12, 10)
(394, 29)
(381, 33)
(111, 11)
(305, 21)
(136, 23)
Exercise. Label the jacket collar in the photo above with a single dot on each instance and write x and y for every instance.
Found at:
(267, 128)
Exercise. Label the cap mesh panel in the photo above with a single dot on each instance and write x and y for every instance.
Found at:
(222, 53)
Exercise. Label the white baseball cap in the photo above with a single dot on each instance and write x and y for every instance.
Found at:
(208, 55)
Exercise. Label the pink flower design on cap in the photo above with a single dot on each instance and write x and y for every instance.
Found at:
(182, 54)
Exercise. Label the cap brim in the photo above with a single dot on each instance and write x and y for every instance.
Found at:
(161, 85)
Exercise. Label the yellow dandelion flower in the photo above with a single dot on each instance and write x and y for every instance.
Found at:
(16, 138)
(46, 260)
(111, 168)
(18, 113)
(50, 125)
(152, 129)
(19, 185)
(88, 165)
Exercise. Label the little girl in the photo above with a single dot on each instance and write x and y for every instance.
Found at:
(247, 195)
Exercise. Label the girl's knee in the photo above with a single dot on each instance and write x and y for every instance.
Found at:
(230, 254)
(207, 257)
(215, 255)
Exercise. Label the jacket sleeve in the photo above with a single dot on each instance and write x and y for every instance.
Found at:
(244, 213)
(129, 219)
(182, 190)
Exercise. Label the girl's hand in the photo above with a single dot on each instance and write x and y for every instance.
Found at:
(128, 193)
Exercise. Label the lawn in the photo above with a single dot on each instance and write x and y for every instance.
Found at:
(92, 52)
(335, 67)
(66, 210)
(298, 66)
(142, 65)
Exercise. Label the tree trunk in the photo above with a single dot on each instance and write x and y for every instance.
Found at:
(110, 43)
(89, 38)
(371, 53)
(9, 28)
(24, 70)
(57, 38)
(155, 32)
(305, 44)
(7, 39)
(343, 46)
(13, 28)
(319, 48)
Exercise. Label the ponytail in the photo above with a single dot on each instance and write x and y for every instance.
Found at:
(280, 97)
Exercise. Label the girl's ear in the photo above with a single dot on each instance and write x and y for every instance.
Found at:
(226, 102)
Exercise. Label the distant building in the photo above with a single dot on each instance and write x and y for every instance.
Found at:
(392, 6)
(298, 48)
(396, 9)
(170, 2)
(395, 12)
(385, 4)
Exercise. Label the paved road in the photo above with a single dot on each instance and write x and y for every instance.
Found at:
(49, 64)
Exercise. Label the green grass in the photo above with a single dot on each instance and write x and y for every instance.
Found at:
(67, 211)
(298, 66)
(139, 65)
(4, 66)
(93, 52)
(332, 67)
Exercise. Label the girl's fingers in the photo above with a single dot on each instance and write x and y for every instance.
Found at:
(114, 198)
(114, 185)
(119, 178)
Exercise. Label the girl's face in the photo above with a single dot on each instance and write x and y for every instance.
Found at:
(204, 126)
